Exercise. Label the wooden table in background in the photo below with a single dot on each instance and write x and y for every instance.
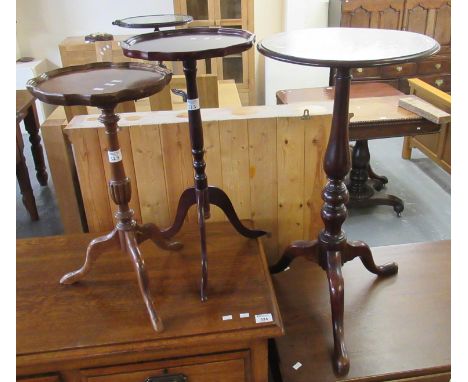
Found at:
(98, 330)
(396, 328)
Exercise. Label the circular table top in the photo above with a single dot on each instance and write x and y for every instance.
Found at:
(100, 84)
(190, 43)
(153, 21)
(347, 47)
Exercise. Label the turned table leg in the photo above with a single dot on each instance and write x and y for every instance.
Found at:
(332, 250)
(31, 123)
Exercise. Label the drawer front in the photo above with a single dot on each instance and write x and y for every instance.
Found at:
(441, 65)
(365, 73)
(400, 70)
(230, 370)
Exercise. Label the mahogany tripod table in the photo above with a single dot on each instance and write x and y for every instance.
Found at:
(189, 45)
(344, 49)
(104, 85)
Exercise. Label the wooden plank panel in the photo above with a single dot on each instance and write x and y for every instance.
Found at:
(92, 179)
(150, 178)
(264, 181)
(290, 156)
(235, 164)
(127, 159)
(213, 163)
(178, 168)
(63, 173)
(316, 136)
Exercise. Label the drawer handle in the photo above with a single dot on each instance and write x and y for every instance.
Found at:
(438, 66)
(439, 82)
(359, 70)
(168, 378)
(399, 68)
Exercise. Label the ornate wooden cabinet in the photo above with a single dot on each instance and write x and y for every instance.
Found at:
(431, 17)
(233, 14)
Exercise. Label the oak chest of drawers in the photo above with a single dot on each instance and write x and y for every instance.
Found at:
(430, 17)
(98, 329)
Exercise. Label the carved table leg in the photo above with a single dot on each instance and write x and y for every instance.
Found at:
(22, 175)
(331, 250)
(361, 194)
(127, 234)
(143, 279)
(31, 123)
(380, 180)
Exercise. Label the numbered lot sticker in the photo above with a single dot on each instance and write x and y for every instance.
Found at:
(261, 318)
(114, 156)
(193, 104)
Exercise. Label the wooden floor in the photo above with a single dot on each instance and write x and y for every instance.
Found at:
(398, 327)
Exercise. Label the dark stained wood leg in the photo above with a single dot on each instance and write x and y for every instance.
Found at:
(151, 231)
(336, 287)
(360, 249)
(22, 175)
(299, 248)
(186, 200)
(380, 180)
(97, 247)
(361, 193)
(204, 261)
(31, 123)
(219, 198)
(143, 280)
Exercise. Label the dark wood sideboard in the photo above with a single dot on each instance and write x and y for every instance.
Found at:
(430, 17)
(98, 330)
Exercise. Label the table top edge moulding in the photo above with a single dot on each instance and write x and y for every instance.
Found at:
(129, 22)
(100, 96)
(361, 46)
(134, 47)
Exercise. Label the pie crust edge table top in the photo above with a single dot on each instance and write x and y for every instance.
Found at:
(99, 84)
(347, 47)
(189, 43)
(132, 22)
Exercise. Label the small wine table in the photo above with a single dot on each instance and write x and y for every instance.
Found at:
(153, 21)
(344, 49)
(189, 45)
(104, 85)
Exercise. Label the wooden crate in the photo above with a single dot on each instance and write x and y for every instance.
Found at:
(268, 160)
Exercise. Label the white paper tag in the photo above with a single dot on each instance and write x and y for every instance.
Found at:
(297, 365)
(114, 156)
(193, 104)
(228, 317)
(265, 317)
(244, 315)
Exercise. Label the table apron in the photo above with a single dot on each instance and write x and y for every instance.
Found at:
(391, 129)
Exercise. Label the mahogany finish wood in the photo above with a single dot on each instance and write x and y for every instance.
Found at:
(398, 328)
(153, 21)
(362, 179)
(342, 48)
(104, 85)
(189, 45)
(82, 334)
(26, 109)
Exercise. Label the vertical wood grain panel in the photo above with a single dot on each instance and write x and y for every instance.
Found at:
(264, 181)
(149, 174)
(315, 143)
(235, 164)
(290, 153)
(127, 160)
(92, 179)
(177, 156)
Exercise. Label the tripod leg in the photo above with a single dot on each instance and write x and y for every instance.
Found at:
(143, 280)
(95, 248)
(308, 249)
(336, 286)
(151, 231)
(187, 199)
(360, 249)
(219, 198)
(201, 226)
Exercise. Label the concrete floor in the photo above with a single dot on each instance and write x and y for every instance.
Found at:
(423, 186)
